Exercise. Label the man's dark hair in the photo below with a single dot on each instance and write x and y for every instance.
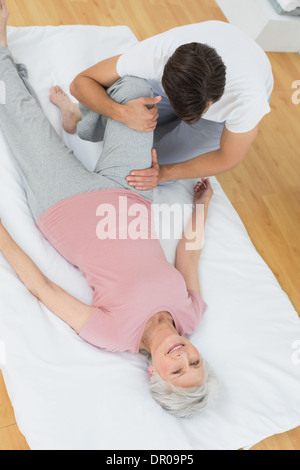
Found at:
(194, 77)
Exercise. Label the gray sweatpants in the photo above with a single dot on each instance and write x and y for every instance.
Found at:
(175, 141)
(50, 170)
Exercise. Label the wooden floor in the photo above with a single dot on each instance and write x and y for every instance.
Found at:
(264, 189)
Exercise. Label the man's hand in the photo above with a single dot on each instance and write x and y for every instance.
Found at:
(138, 116)
(145, 180)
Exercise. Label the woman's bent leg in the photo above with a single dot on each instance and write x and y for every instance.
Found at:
(184, 142)
(125, 149)
(49, 169)
(91, 127)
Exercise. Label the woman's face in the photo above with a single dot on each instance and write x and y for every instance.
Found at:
(177, 361)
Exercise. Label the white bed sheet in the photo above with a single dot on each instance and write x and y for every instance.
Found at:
(69, 395)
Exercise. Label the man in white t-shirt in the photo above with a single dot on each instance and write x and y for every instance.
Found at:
(211, 84)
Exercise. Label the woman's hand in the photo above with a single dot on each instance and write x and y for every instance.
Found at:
(192, 238)
(203, 191)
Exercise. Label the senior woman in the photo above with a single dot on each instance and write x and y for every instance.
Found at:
(140, 301)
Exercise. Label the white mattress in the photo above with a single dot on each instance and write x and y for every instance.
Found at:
(69, 395)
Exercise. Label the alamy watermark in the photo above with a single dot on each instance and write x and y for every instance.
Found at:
(296, 94)
(2, 92)
(164, 221)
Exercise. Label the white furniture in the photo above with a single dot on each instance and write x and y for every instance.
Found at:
(258, 19)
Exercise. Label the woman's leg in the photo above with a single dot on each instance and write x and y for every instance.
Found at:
(91, 126)
(77, 118)
(49, 169)
(123, 148)
(176, 141)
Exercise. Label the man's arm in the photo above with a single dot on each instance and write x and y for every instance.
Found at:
(89, 88)
(60, 302)
(233, 149)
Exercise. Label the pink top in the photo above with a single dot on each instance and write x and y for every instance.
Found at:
(131, 278)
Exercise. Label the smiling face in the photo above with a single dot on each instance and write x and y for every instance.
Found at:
(177, 361)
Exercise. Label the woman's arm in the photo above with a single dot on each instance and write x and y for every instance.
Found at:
(190, 246)
(65, 306)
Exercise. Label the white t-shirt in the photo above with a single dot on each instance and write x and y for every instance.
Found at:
(249, 79)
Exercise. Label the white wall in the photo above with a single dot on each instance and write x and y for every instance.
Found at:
(258, 19)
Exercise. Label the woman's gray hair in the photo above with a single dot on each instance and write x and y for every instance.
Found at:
(184, 402)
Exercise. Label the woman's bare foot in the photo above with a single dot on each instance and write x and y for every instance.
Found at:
(4, 14)
(70, 111)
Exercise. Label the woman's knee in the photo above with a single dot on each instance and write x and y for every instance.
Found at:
(130, 88)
